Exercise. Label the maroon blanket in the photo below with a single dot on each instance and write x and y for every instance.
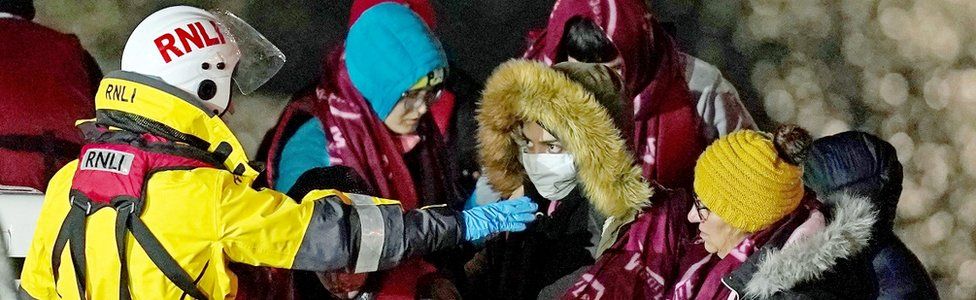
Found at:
(666, 138)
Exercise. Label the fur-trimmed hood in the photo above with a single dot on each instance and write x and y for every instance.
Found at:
(774, 270)
(522, 91)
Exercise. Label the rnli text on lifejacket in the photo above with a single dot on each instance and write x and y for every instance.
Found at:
(118, 93)
(108, 160)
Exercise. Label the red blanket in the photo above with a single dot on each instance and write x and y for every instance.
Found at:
(666, 138)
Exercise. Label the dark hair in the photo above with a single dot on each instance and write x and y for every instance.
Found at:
(20, 8)
(586, 42)
(792, 143)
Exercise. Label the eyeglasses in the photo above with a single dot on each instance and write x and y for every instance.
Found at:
(413, 98)
(700, 207)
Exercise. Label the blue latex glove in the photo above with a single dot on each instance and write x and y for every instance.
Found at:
(508, 215)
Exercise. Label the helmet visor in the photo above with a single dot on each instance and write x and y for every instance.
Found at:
(260, 59)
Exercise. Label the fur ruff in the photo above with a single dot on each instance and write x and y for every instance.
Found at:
(524, 91)
(847, 234)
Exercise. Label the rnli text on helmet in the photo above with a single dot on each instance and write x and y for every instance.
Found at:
(197, 35)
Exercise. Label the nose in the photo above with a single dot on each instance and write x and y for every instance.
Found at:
(693, 215)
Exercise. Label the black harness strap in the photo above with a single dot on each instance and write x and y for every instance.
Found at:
(163, 260)
(73, 233)
(59, 243)
(200, 276)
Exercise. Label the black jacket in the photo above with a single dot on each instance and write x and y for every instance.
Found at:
(520, 265)
(899, 274)
(851, 164)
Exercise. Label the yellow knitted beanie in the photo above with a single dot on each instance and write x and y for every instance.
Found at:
(745, 180)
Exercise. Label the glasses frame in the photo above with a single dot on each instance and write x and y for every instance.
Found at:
(429, 95)
(699, 206)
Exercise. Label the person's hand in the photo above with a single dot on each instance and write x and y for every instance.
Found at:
(508, 215)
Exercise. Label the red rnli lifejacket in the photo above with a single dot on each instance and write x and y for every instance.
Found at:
(112, 173)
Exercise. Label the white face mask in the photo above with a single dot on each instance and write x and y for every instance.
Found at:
(553, 175)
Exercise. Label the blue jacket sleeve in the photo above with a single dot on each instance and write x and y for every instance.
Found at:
(305, 150)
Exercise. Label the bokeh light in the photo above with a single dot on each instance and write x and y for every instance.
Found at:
(914, 65)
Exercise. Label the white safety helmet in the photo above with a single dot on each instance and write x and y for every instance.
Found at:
(200, 51)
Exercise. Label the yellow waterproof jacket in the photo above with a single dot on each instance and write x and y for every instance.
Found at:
(206, 217)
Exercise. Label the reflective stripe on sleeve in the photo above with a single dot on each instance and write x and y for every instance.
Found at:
(372, 233)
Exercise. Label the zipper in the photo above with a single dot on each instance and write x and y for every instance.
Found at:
(118, 119)
(156, 127)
